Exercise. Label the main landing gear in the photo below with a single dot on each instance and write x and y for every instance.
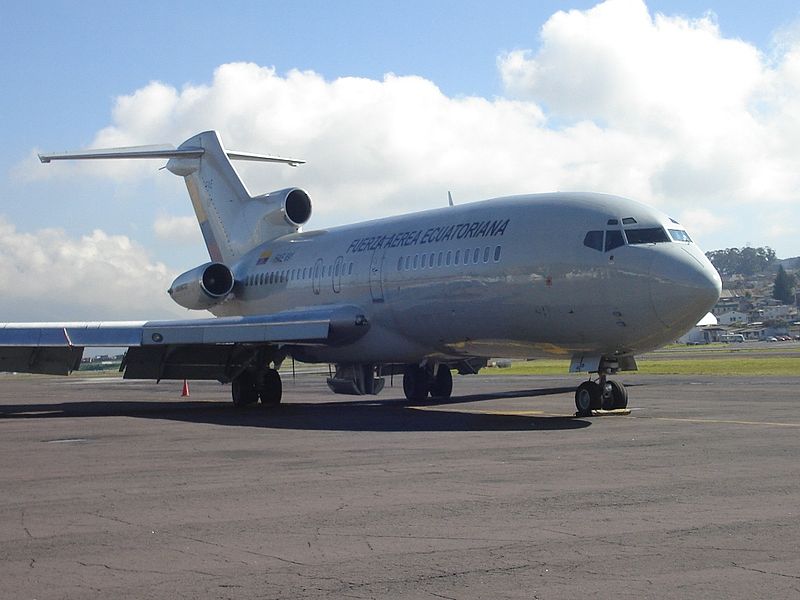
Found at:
(251, 386)
(418, 382)
(603, 394)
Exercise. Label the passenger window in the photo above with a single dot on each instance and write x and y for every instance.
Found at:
(614, 239)
(458, 256)
(651, 235)
(408, 262)
(476, 255)
(400, 263)
(416, 261)
(497, 254)
(448, 259)
(424, 260)
(350, 270)
(594, 240)
(486, 254)
(432, 259)
(439, 259)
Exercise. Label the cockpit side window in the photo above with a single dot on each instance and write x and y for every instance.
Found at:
(594, 240)
(679, 235)
(614, 239)
(650, 235)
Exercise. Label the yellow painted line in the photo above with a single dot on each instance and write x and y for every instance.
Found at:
(521, 413)
(470, 411)
(722, 421)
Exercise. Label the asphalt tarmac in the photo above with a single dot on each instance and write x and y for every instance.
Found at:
(112, 489)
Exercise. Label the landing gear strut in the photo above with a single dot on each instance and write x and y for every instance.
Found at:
(250, 386)
(418, 382)
(602, 394)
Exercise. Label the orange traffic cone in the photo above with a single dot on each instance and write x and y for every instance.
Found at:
(185, 390)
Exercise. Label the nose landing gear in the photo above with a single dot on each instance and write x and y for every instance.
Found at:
(603, 394)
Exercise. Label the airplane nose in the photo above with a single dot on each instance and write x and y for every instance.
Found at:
(684, 286)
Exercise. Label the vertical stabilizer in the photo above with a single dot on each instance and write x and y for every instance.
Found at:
(217, 192)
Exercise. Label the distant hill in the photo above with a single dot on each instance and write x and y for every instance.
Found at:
(791, 264)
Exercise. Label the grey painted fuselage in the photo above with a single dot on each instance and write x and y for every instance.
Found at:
(509, 277)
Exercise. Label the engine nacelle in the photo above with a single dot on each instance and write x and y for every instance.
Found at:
(291, 206)
(203, 286)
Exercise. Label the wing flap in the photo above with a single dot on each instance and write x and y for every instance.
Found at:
(45, 360)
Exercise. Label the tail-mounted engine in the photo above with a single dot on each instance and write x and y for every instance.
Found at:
(273, 215)
(203, 286)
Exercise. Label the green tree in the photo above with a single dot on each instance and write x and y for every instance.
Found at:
(743, 261)
(783, 289)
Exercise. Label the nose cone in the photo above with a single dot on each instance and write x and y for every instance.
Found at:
(684, 285)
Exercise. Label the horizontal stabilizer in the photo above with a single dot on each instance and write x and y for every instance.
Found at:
(161, 151)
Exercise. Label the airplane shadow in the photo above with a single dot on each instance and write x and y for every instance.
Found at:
(391, 415)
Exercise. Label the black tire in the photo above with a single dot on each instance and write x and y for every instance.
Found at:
(587, 398)
(243, 390)
(271, 388)
(619, 394)
(415, 383)
(442, 385)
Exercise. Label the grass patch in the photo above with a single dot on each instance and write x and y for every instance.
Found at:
(724, 365)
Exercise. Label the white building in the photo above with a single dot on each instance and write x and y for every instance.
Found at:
(732, 317)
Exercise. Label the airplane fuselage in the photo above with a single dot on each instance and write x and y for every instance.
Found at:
(512, 277)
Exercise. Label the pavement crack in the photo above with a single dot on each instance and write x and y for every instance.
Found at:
(252, 552)
(22, 522)
(121, 569)
(116, 519)
(763, 572)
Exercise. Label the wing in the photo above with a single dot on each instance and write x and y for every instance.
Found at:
(216, 348)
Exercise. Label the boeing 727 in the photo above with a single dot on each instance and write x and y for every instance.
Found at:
(591, 277)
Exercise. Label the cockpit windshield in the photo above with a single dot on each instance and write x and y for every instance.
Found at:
(611, 238)
(649, 235)
(679, 235)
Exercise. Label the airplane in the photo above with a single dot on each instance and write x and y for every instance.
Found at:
(592, 277)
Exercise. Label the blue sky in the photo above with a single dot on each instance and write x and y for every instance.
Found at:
(66, 64)
(65, 61)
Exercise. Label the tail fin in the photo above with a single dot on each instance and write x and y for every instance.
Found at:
(231, 221)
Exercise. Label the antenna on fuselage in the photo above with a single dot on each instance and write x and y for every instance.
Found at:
(450, 198)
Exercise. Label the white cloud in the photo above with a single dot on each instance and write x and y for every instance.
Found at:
(178, 230)
(716, 118)
(660, 108)
(49, 276)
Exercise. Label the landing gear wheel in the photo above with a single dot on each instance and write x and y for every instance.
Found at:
(619, 395)
(442, 384)
(415, 383)
(588, 397)
(271, 388)
(243, 390)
